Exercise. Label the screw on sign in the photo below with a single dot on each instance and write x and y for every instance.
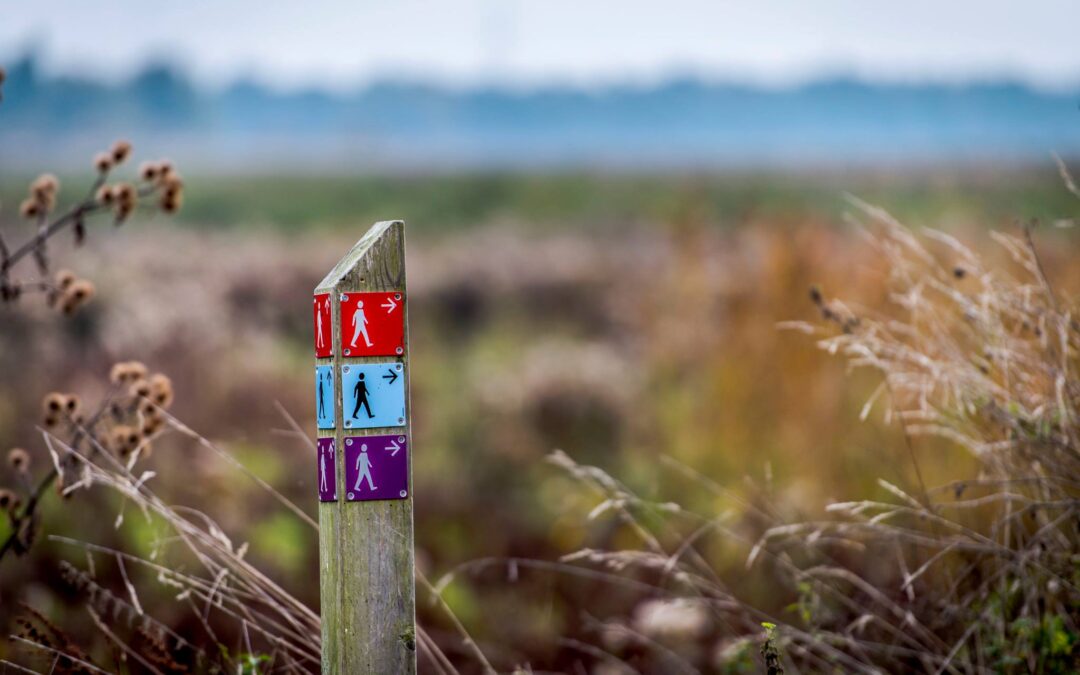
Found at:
(323, 330)
(372, 324)
(376, 467)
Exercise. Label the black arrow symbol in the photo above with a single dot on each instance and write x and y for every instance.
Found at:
(391, 377)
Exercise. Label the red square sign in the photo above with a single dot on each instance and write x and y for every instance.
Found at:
(323, 340)
(373, 324)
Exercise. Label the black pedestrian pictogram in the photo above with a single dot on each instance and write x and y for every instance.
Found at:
(322, 397)
(360, 393)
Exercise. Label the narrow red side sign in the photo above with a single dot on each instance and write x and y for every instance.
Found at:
(372, 324)
(323, 341)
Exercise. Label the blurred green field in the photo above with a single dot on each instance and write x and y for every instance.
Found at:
(595, 201)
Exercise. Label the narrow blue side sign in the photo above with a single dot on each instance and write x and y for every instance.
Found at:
(324, 396)
(373, 395)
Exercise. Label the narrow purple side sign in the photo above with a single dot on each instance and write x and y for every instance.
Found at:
(376, 467)
(327, 470)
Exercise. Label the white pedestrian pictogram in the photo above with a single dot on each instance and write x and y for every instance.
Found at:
(329, 454)
(363, 469)
(319, 341)
(359, 322)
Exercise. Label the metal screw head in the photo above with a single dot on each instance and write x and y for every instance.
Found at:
(397, 296)
(345, 369)
(399, 350)
(398, 367)
(348, 352)
(344, 297)
(400, 439)
(400, 420)
(348, 441)
(350, 495)
(348, 423)
(402, 493)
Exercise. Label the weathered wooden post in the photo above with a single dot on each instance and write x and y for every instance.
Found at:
(364, 459)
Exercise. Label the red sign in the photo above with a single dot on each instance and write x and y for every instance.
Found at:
(372, 324)
(323, 340)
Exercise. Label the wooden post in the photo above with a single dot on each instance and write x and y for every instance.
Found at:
(366, 547)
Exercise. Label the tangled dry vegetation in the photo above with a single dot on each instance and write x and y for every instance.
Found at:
(979, 575)
(190, 553)
(158, 188)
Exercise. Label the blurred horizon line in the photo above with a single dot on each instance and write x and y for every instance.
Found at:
(407, 125)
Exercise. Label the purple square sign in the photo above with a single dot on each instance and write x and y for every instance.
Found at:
(376, 467)
(327, 474)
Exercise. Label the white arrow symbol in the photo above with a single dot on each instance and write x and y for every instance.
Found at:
(390, 305)
(393, 447)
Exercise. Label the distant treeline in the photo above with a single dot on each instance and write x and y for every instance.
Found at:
(681, 123)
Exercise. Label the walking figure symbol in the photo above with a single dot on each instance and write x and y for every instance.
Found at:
(329, 455)
(322, 397)
(363, 470)
(360, 322)
(360, 393)
(320, 342)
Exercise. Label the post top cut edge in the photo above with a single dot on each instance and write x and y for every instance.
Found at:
(355, 254)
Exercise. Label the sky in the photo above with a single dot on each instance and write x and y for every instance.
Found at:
(341, 44)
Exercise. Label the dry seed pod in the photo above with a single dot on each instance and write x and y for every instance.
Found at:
(18, 459)
(30, 208)
(76, 295)
(105, 195)
(121, 150)
(123, 439)
(65, 278)
(139, 389)
(149, 171)
(103, 161)
(161, 390)
(53, 402)
(9, 501)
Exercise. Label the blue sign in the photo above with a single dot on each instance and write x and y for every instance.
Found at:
(373, 395)
(324, 396)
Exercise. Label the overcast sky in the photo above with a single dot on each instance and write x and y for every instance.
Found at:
(343, 43)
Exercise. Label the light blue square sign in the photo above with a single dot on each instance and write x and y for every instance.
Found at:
(373, 395)
(324, 396)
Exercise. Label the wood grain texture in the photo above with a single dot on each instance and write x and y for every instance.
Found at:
(366, 570)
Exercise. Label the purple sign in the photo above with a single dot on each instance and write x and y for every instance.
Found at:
(327, 470)
(376, 467)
